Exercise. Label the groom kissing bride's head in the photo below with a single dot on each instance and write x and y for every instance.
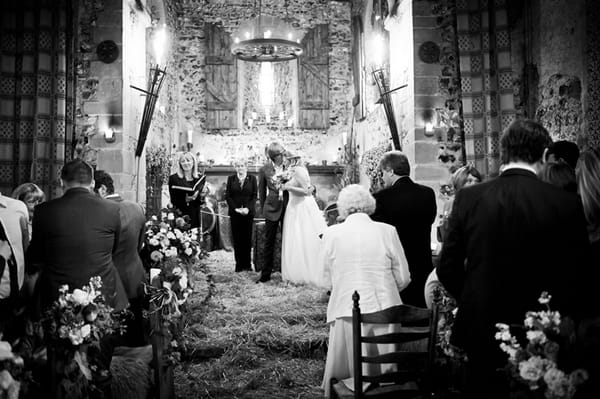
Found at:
(275, 153)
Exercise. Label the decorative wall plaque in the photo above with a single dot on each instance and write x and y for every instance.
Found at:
(107, 51)
(429, 52)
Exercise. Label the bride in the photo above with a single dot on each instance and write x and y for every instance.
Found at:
(303, 223)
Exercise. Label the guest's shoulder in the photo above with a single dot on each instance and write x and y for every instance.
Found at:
(15, 205)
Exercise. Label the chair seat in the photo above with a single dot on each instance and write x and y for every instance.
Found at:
(404, 391)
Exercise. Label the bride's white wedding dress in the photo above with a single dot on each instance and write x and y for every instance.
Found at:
(302, 224)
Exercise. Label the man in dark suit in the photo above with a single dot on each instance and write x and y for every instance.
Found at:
(411, 209)
(272, 201)
(126, 257)
(508, 240)
(74, 238)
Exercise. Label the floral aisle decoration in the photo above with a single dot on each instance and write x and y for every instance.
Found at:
(172, 247)
(11, 371)
(158, 169)
(73, 327)
(535, 364)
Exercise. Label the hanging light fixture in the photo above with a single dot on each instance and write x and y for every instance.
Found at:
(266, 39)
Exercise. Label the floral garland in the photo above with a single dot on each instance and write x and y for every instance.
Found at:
(370, 165)
(535, 365)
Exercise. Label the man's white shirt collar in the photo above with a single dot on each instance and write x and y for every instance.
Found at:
(518, 165)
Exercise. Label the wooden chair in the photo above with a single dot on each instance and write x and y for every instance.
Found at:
(415, 343)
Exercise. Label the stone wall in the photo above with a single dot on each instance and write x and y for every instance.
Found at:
(104, 99)
(189, 64)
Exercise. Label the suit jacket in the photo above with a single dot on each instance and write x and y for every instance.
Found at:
(73, 239)
(411, 209)
(131, 238)
(365, 256)
(273, 208)
(519, 236)
(241, 196)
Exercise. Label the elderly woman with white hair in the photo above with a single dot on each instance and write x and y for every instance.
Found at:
(365, 256)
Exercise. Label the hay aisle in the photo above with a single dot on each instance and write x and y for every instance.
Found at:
(253, 340)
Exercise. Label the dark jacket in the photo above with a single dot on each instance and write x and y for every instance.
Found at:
(241, 196)
(518, 236)
(74, 238)
(272, 206)
(126, 258)
(192, 208)
(411, 209)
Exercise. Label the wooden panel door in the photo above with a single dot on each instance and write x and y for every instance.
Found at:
(313, 79)
(221, 80)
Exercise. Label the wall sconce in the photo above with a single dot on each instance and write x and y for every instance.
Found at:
(429, 120)
(109, 135)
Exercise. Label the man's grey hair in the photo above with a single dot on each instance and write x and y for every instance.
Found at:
(355, 199)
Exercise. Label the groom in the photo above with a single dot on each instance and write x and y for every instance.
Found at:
(273, 203)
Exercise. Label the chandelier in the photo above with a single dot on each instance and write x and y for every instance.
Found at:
(266, 39)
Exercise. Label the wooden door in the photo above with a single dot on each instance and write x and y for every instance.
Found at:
(313, 79)
(221, 80)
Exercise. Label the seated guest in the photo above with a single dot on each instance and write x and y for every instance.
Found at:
(559, 174)
(31, 195)
(588, 183)
(126, 256)
(181, 188)
(465, 176)
(74, 238)
(358, 255)
(563, 150)
(14, 239)
(241, 200)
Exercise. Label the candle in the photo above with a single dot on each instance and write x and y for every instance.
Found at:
(290, 122)
(189, 136)
(250, 122)
(344, 138)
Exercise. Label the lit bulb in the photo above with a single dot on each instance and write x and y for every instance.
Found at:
(428, 127)
(236, 40)
(247, 34)
(290, 36)
(297, 40)
(267, 34)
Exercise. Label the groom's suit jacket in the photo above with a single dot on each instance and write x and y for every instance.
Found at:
(273, 208)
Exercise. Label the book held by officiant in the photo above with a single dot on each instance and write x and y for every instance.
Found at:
(196, 187)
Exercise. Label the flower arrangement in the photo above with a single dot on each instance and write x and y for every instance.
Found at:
(535, 365)
(370, 165)
(11, 368)
(81, 316)
(171, 236)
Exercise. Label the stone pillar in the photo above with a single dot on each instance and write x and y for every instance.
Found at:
(106, 101)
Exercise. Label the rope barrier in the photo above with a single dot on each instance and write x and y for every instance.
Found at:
(327, 211)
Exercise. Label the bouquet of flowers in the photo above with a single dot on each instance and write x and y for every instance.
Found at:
(81, 316)
(11, 368)
(171, 236)
(280, 178)
(535, 365)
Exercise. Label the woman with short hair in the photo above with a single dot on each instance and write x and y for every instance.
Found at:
(365, 256)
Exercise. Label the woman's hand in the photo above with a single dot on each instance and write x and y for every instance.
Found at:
(190, 198)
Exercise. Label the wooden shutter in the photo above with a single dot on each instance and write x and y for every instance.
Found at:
(221, 80)
(313, 79)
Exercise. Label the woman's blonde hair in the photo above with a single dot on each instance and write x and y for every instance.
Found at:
(355, 198)
(180, 173)
(459, 178)
(28, 189)
(588, 184)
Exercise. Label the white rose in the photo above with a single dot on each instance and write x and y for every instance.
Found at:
(86, 330)
(177, 271)
(80, 297)
(154, 242)
(535, 336)
(171, 216)
(170, 235)
(75, 337)
(183, 281)
(188, 251)
(178, 233)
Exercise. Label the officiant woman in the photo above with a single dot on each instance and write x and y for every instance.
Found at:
(241, 201)
(188, 202)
